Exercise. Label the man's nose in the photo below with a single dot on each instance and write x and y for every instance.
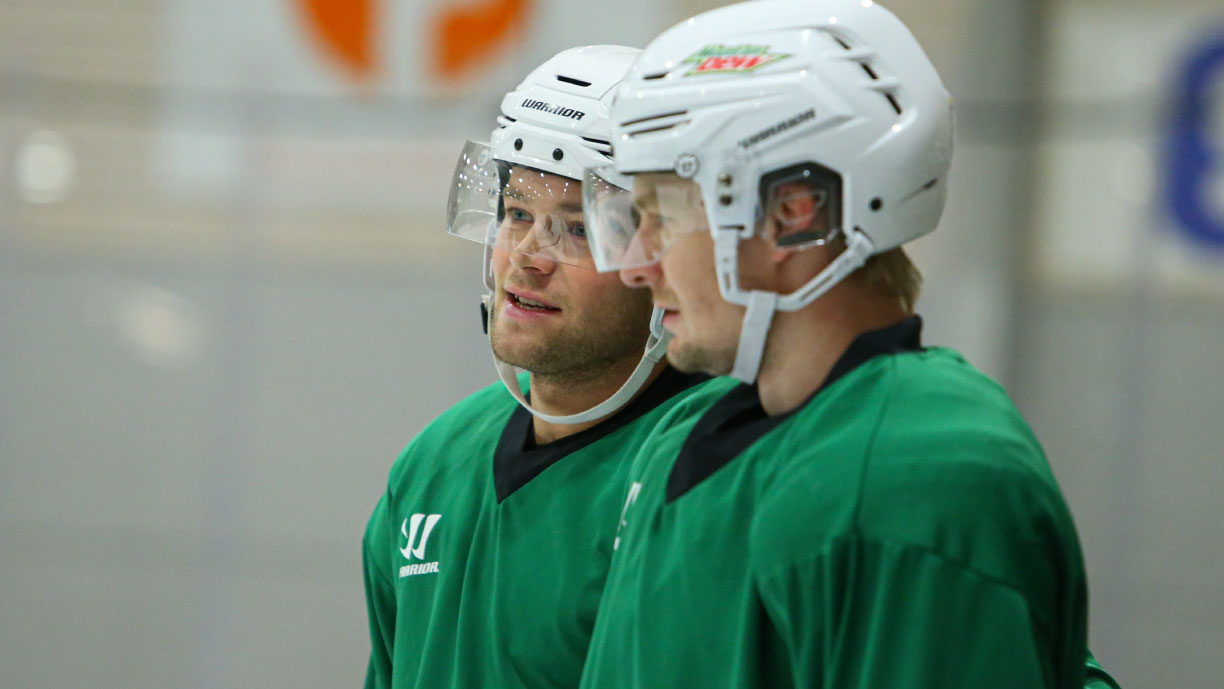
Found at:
(531, 257)
(529, 250)
(534, 261)
(641, 276)
(643, 248)
(543, 233)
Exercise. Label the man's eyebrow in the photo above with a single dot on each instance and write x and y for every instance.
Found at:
(512, 192)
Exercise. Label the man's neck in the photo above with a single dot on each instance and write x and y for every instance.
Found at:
(559, 396)
(804, 345)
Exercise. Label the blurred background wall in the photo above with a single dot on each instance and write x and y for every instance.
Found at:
(227, 301)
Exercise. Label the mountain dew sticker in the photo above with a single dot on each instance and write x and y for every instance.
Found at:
(723, 59)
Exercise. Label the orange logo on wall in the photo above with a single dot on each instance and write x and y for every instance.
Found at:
(469, 35)
(344, 29)
(462, 37)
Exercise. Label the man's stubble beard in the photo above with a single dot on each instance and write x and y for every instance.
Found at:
(581, 353)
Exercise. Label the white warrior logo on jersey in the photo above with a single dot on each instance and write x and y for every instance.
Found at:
(634, 489)
(410, 528)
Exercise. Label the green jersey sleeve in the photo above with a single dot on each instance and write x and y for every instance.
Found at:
(380, 598)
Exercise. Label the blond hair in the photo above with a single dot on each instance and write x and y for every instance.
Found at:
(894, 271)
(891, 271)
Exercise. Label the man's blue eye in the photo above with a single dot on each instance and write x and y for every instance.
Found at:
(519, 215)
(578, 230)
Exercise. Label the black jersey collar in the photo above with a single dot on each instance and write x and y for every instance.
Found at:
(737, 419)
(518, 459)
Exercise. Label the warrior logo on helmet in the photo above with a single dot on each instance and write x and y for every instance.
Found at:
(553, 109)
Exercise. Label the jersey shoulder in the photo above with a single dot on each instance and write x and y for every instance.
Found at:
(468, 429)
(928, 411)
(918, 449)
(940, 414)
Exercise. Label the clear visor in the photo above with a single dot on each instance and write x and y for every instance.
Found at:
(631, 229)
(517, 207)
(797, 208)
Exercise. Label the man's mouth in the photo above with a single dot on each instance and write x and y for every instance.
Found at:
(669, 315)
(529, 304)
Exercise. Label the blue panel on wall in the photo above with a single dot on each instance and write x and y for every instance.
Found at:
(1194, 158)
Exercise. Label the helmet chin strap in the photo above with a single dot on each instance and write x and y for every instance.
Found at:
(656, 348)
(487, 264)
(761, 305)
(859, 248)
(753, 332)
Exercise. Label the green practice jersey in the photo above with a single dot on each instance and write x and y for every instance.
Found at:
(485, 559)
(901, 528)
(1096, 676)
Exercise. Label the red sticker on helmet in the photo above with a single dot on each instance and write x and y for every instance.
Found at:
(724, 59)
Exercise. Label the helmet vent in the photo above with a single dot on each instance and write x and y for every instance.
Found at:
(926, 187)
(600, 146)
(656, 129)
(863, 57)
(657, 123)
(655, 117)
(652, 77)
(572, 80)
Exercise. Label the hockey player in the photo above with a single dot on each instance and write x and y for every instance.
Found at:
(863, 511)
(485, 559)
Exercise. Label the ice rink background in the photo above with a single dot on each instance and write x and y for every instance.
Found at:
(227, 301)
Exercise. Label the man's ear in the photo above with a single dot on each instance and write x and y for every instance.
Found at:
(779, 256)
(764, 246)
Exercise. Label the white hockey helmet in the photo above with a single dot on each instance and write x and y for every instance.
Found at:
(556, 122)
(833, 93)
(552, 127)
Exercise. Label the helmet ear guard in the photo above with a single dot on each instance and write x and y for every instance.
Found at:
(803, 201)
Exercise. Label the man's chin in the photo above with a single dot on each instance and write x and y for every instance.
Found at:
(516, 352)
(691, 358)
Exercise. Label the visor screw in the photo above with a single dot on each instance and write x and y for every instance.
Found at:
(726, 199)
(877, 204)
(558, 154)
(518, 144)
(686, 166)
(725, 179)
